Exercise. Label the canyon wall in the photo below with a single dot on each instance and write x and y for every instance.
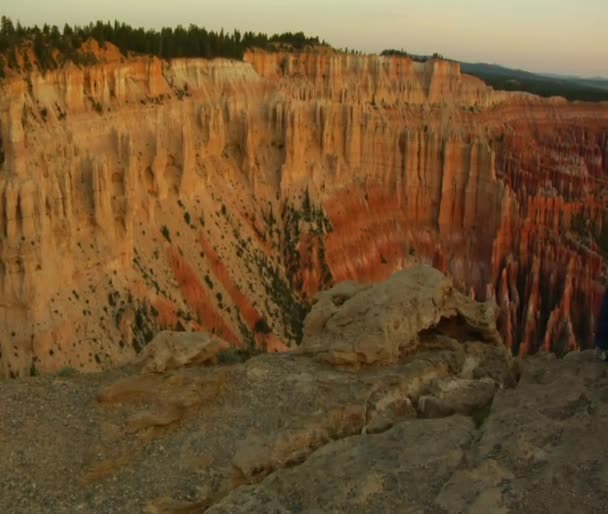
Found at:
(190, 194)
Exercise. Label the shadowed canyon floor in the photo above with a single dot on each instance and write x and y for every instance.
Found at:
(138, 195)
(401, 399)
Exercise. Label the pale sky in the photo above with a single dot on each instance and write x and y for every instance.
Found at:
(556, 36)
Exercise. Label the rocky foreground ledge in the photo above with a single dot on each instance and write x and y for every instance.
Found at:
(401, 399)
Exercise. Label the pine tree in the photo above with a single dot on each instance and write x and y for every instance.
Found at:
(167, 43)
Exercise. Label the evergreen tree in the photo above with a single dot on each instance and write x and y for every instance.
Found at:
(167, 43)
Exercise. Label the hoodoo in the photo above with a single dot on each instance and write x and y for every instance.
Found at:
(139, 195)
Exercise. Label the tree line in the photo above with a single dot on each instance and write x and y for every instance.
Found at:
(392, 52)
(53, 46)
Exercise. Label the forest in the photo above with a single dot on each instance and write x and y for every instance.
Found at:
(392, 52)
(53, 46)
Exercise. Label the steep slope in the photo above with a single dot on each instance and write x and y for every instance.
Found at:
(143, 195)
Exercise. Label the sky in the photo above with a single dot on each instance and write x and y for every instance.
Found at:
(548, 36)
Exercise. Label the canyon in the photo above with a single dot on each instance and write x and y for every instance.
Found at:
(138, 195)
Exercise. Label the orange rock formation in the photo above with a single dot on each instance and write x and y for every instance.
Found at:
(142, 195)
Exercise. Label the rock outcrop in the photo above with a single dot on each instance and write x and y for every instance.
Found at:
(222, 196)
(352, 324)
(518, 459)
(445, 427)
(172, 350)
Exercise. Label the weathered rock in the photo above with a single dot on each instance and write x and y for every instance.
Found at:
(524, 461)
(239, 424)
(139, 195)
(171, 350)
(354, 325)
(286, 433)
(167, 399)
(476, 490)
(530, 455)
(456, 395)
(483, 361)
(396, 471)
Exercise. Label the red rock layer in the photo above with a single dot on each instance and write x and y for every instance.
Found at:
(197, 298)
(274, 178)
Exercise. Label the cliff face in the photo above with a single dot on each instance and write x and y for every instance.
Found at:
(144, 195)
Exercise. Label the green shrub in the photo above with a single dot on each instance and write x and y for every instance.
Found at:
(67, 372)
(481, 414)
(234, 356)
(209, 281)
(262, 327)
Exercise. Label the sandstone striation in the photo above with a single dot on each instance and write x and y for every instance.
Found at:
(444, 428)
(144, 195)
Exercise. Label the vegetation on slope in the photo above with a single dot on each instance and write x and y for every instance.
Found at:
(53, 47)
(391, 52)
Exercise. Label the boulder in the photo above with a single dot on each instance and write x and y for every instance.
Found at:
(171, 350)
(354, 324)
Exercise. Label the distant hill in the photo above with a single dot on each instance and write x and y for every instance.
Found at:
(594, 81)
(508, 79)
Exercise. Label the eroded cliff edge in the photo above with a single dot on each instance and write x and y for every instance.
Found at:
(143, 195)
(401, 398)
